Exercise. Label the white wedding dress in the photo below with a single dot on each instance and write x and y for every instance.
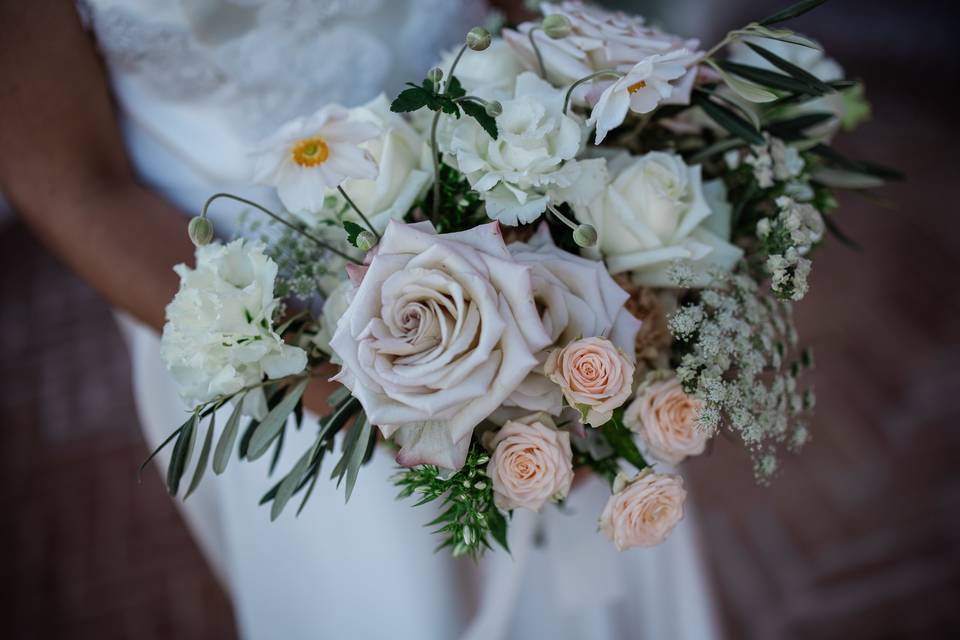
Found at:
(200, 81)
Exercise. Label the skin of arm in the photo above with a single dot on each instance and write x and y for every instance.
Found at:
(64, 169)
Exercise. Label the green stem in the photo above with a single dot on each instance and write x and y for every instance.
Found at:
(262, 209)
(359, 213)
(536, 51)
(605, 72)
(453, 66)
(436, 165)
(562, 218)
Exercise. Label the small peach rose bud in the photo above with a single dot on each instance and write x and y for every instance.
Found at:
(200, 231)
(557, 26)
(478, 38)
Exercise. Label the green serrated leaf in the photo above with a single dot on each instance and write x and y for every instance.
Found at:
(270, 427)
(221, 455)
(479, 113)
(449, 107)
(454, 88)
(799, 74)
(621, 439)
(791, 12)
(727, 119)
(201, 468)
(353, 230)
(410, 100)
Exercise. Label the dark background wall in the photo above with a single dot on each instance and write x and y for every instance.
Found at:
(858, 538)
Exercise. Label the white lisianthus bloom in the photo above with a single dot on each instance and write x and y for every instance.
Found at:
(576, 298)
(219, 335)
(641, 90)
(312, 154)
(652, 213)
(441, 329)
(532, 162)
(599, 40)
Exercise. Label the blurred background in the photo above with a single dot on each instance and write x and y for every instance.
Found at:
(859, 537)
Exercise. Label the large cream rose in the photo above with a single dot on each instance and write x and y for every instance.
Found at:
(440, 331)
(665, 418)
(576, 298)
(652, 213)
(642, 512)
(532, 463)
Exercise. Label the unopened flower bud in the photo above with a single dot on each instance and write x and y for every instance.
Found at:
(366, 240)
(557, 26)
(435, 75)
(585, 235)
(493, 108)
(478, 38)
(200, 231)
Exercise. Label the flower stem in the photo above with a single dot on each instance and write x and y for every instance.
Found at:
(605, 72)
(436, 164)
(453, 66)
(536, 51)
(562, 218)
(359, 213)
(261, 208)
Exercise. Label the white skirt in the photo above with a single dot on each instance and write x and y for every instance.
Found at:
(368, 569)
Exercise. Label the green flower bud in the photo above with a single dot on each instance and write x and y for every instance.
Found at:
(200, 231)
(478, 38)
(585, 235)
(435, 75)
(493, 108)
(557, 26)
(366, 240)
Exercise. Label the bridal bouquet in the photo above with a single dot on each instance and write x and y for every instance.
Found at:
(574, 246)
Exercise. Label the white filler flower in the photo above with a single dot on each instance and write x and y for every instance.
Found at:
(310, 155)
(219, 336)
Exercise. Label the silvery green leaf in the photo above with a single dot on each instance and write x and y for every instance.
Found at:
(221, 455)
(843, 179)
(178, 458)
(358, 453)
(290, 483)
(783, 35)
(270, 426)
(204, 456)
(744, 88)
(791, 12)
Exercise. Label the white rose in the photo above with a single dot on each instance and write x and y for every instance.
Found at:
(440, 331)
(642, 512)
(532, 162)
(577, 298)
(218, 337)
(652, 213)
(532, 463)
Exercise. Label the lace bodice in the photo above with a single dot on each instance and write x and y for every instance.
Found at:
(221, 74)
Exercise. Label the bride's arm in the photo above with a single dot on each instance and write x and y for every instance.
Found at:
(64, 169)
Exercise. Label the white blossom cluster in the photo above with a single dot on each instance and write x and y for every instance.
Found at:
(786, 240)
(742, 361)
(774, 161)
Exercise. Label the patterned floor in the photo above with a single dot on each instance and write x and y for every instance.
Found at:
(858, 538)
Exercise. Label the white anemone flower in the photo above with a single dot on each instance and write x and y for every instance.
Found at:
(645, 86)
(309, 155)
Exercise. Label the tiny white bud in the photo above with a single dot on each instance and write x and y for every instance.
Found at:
(200, 231)
(478, 38)
(585, 235)
(493, 108)
(366, 240)
(467, 536)
(557, 26)
(435, 75)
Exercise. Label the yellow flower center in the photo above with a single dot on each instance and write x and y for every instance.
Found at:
(636, 86)
(310, 152)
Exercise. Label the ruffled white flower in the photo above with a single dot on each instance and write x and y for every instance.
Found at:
(654, 213)
(440, 331)
(641, 90)
(310, 155)
(599, 39)
(486, 74)
(532, 162)
(577, 298)
(219, 335)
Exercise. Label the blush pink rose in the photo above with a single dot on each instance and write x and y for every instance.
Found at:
(532, 463)
(665, 418)
(642, 512)
(594, 376)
